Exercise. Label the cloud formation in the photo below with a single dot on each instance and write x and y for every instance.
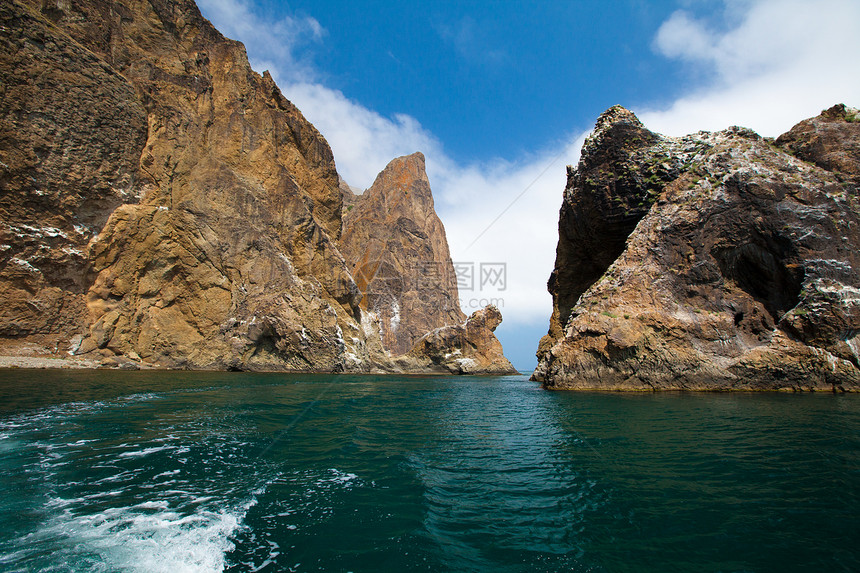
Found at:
(363, 140)
(781, 61)
(274, 45)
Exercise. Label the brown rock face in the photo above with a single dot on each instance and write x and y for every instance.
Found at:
(735, 263)
(602, 207)
(221, 253)
(828, 140)
(234, 195)
(162, 202)
(468, 348)
(397, 251)
(71, 134)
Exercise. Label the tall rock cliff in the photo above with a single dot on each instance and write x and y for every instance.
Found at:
(163, 203)
(72, 131)
(713, 261)
(396, 249)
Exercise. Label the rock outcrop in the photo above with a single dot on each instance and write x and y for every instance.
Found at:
(467, 348)
(163, 203)
(716, 261)
(396, 249)
(829, 140)
(210, 205)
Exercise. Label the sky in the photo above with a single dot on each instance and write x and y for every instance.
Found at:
(499, 96)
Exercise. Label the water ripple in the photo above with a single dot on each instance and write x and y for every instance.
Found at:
(351, 473)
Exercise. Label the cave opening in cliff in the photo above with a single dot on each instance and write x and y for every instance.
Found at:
(763, 268)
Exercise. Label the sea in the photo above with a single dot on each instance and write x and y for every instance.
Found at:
(201, 472)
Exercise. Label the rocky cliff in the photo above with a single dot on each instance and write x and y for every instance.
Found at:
(714, 261)
(164, 204)
(396, 249)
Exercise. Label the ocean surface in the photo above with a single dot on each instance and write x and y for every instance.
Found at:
(176, 471)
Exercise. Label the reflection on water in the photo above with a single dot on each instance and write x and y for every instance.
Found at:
(498, 489)
(108, 471)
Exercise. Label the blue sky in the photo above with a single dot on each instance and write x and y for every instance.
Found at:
(499, 96)
(491, 79)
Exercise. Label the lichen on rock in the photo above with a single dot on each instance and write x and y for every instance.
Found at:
(715, 261)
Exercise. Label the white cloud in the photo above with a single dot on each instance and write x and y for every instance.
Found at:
(507, 213)
(684, 38)
(271, 44)
(363, 140)
(781, 61)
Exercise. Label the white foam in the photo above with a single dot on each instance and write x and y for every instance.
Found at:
(341, 477)
(145, 452)
(152, 537)
(336, 477)
(139, 397)
(110, 524)
(274, 552)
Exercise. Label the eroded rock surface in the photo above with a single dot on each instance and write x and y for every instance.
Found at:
(397, 251)
(71, 134)
(713, 261)
(467, 348)
(162, 203)
(828, 140)
(215, 203)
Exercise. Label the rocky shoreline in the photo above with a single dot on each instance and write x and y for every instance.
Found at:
(36, 362)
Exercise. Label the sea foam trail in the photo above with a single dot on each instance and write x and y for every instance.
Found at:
(149, 538)
(178, 489)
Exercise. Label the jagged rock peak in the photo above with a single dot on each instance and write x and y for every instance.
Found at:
(398, 253)
(616, 114)
(414, 163)
(830, 140)
(616, 122)
(841, 112)
(404, 175)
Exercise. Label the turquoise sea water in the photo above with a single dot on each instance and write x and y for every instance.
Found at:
(117, 471)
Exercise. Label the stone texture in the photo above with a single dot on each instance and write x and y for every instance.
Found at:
(467, 348)
(828, 140)
(397, 251)
(602, 206)
(164, 205)
(226, 255)
(71, 134)
(716, 261)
